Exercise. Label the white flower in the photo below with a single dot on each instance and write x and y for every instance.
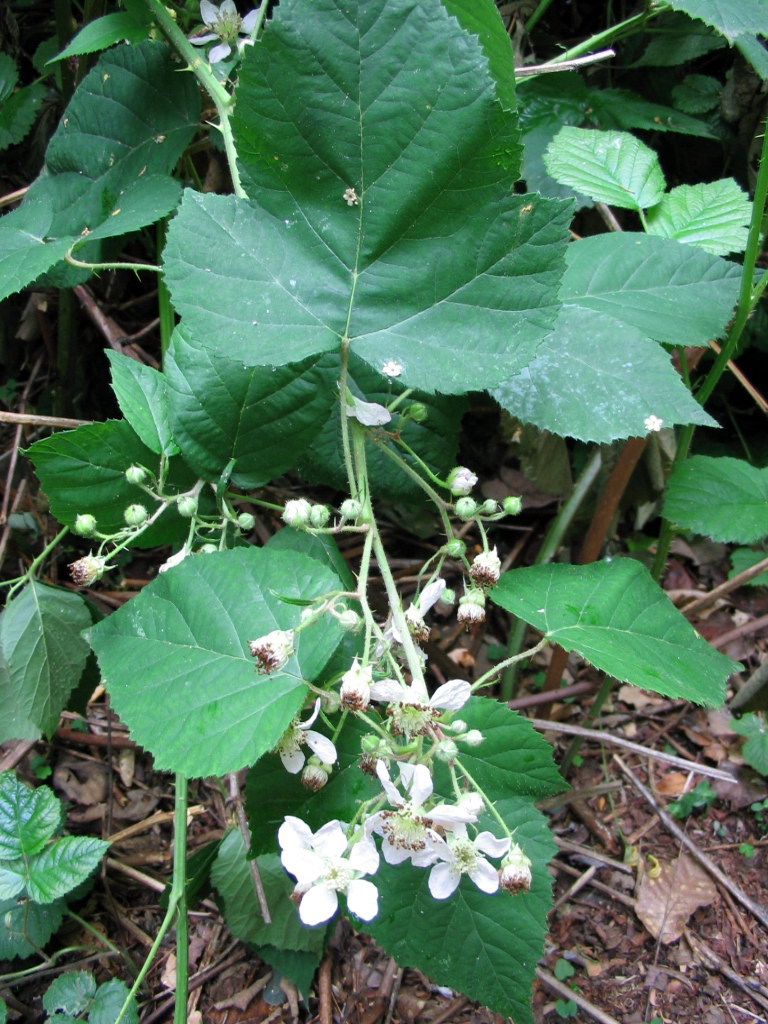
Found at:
(652, 423)
(414, 615)
(461, 855)
(370, 414)
(174, 560)
(461, 481)
(298, 733)
(322, 868)
(471, 607)
(355, 687)
(411, 715)
(272, 650)
(486, 568)
(351, 197)
(391, 368)
(515, 870)
(226, 25)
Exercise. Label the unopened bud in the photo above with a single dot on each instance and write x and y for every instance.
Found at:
(350, 509)
(349, 620)
(486, 568)
(489, 507)
(515, 870)
(355, 687)
(297, 513)
(447, 751)
(457, 726)
(87, 570)
(455, 548)
(417, 411)
(448, 596)
(473, 738)
(85, 525)
(461, 480)
(471, 607)
(465, 508)
(246, 521)
(187, 505)
(208, 549)
(272, 650)
(512, 506)
(135, 474)
(319, 516)
(331, 702)
(135, 515)
(315, 774)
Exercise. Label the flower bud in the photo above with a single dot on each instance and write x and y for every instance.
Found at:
(87, 570)
(461, 481)
(297, 513)
(447, 751)
(355, 687)
(319, 516)
(331, 702)
(135, 515)
(187, 505)
(208, 549)
(455, 548)
(473, 738)
(515, 870)
(471, 607)
(512, 506)
(85, 525)
(350, 509)
(315, 774)
(246, 521)
(448, 596)
(272, 650)
(485, 569)
(417, 411)
(350, 621)
(489, 507)
(457, 726)
(465, 508)
(135, 474)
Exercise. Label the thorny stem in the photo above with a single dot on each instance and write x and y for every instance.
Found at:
(14, 584)
(488, 803)
(409, 471)
(488, 676)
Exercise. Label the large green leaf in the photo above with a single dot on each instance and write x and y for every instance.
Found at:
(714, 216)
(107, 165)
(263, 417)
(671, 292)
(596, 379)
(28, 817)
(142, 395)
(615, 616)
(609, 167)
(176, 662)
(724, 498)
(481, 18)
(44, 654)
(62, 866)
(732, 18)
(439, 267)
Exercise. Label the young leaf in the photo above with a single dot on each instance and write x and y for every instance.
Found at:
(27, 927)
(755, 750)
(107, 1003)
(678, 40)
(28, 817)
(101, 33)
(62, 866)
(723, 498)
(44, 654)
(615, 616)
(609, 167)
(70, 993)
(18, 112)
(481, 18)
(697, 94)
(732, 18)
(596, 379)
(141, 393)
(429, 246)
(176, 661)
(672, 293)
(262, 417)
(745, 558)
(713, 216)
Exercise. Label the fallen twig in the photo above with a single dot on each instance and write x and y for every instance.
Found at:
(571, 993)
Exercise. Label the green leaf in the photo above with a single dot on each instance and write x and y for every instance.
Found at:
(670, 292)
(18, 112)
(614, 615)
(481, 18)
(70, 993)
(176, 661)
(142, 395)
(27, 927)
(295, 965)
(723, 498)
(713, 216)
(321, 548)
(44, 654)
(105, 32)
(678, 40)
(109, 1000)
(745, 558)
(439, 267)
(610, 167)
(27, 252)
(12, 879)
(597, 380)
(9, 76)
(232, 878)
(62, 866)
(731, 18)
(436, 439)
(697, 94)
(753, 51)
(262, 417)
(755, 750)
(28, 817)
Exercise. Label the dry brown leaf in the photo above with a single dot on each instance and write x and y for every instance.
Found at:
(673, 783)
(636, 697)
(666, 901)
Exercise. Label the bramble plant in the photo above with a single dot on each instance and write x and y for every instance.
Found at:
(372, 266)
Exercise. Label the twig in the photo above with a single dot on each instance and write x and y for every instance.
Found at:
(138, 876)
(528, 70)
(753, 987)
(585, 877)
(615, 894)
(41, 421)
(722, 879)
(726, 587)
(733, 634)
(571, 993)
(532, 699)
(749, 388)
(568, 846)
(637, 748)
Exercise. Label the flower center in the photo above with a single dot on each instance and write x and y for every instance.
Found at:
(338, 875)
(464, 855)
(410, 719)
(227, 26)
(404, 829)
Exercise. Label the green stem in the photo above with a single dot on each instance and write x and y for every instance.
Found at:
(488, 803)
(606, 688)
(164, 307)
(14, 584)
(411, 472)
(486, 677)
(73, 261)
(601, 38)
(538, 14)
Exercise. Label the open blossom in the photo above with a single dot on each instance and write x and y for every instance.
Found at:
(324, 864)
(652, 423)
(459, 855)
(355, 687)
(296, 735)
(226, 25)
(411, 715)
(370, 414)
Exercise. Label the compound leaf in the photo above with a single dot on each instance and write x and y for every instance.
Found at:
(28, 817)
(62, 866)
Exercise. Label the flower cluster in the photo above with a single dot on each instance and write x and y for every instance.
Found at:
(224, 24)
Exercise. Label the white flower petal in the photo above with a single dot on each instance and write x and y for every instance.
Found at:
(294, 833)
(487, 842)
(293, 760)
(220, 52)
(330, 840)
(228, 9)
(318, 904)
(321, 746)
(209, 12)
(370, 414)
(364, 856)
(388, 689)
(305, 866)
(389, 787)
(417, 782)
(430, 595)
(249, 21)
(312, 717)
(443, 881)
(485, 876)
(451, 695)
(363, 899)
(394, 854)
(452, 814)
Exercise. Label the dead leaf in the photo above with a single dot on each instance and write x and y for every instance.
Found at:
(665, 902)
(637, 698)
(673, 784)
(83, 782)
(126, 765)
(168, 977)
